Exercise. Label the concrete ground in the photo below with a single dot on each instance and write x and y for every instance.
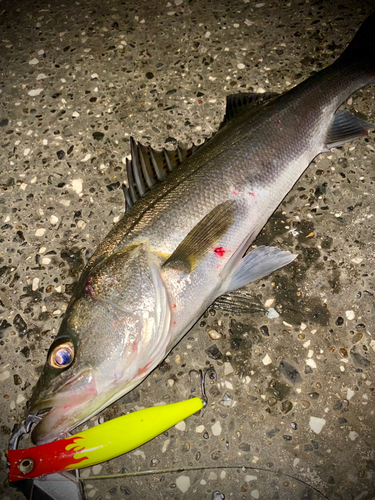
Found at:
(291, 415)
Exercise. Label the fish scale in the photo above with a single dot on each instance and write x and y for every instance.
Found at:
(183, 242)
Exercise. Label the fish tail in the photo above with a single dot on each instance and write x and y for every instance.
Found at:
(361, 50)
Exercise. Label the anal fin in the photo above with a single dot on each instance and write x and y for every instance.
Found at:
(345, 128)
(255, 265)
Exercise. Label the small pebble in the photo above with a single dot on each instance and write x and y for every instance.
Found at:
(286, 406)
(183, 483)
(227, 400)
(199, 429)
(305, 404)
(272, 313)
(181, 426)
(40, 232)
(349, 315)
(216, 428)
(35, 92)
(214, 334)
(357, 338)
(217, 495)
(266, 360)
(353, 435)
(228, 369)
(317, 424)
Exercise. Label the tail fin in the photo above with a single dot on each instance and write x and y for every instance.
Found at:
(361, 50)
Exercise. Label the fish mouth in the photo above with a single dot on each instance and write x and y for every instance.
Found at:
(65, 409)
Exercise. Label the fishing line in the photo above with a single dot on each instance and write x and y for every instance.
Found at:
(199, 468)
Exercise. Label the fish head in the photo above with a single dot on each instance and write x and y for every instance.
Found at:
(115, 331)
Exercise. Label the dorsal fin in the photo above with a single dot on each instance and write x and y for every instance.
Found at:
(239, 103)
(148, 166)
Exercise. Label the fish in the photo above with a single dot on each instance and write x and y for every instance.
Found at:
(191, 216)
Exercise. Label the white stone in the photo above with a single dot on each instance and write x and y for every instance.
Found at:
(199, 429)
(26, 151)
(46, 261)
(350, 393)
(183, 483)
(41, 76)
(20, 398)
(353, 435)
(269, 303)
(66, 203)
(228, 385)
(214, 334)
(310, 362)
(216, 428)
(266, 360)
(4, 375)
(272, 313)
(35, 92)
(349, 315)
(35, 284)
(212, 476)
(75, 114)
(33, 61)
(317, 424)
(96, 469)
(255, 493)
(165, 445)
(140, 453)
(228, 369)
(77, 185)
(181, 426)
(296, 462)
(53, 219)
(40, 232)
(249, 478)
(357, 260)
(241, 66)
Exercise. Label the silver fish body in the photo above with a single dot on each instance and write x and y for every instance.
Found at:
(183, 243)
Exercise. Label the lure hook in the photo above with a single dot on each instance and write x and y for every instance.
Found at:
(202, 376)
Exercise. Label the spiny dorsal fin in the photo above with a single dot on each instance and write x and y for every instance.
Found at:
(199, 242)
(147, 167)
(239, 103)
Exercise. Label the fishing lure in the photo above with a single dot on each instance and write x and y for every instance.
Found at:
(100, 443)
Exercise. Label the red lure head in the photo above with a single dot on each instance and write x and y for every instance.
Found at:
(44, 459)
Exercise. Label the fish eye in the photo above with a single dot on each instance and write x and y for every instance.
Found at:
(62, 355)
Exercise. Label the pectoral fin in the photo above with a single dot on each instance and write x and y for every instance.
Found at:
(199, 242)
(345, 128)
(255, 265)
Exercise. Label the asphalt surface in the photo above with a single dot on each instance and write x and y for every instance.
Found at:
(291, 413)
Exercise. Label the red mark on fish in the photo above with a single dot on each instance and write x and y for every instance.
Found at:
(220, 252)
(278, 122)
(89, 288)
